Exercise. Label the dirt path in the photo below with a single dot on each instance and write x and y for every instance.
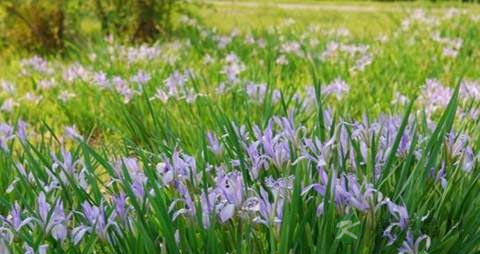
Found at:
(312, 6)
(344, 7)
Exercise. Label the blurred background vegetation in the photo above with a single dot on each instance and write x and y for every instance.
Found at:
(51, 26)
(55, 26)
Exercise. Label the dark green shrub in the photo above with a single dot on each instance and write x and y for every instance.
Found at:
(35, 25)
(140, 20)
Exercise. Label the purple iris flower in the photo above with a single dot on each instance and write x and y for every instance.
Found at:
(441, 175)
(121, 209)
(140, 78)
(75, 72)
(458, 148)
(468, 159)
(207, 203)
(258, 161)
(138, 189)
(222, 200)
(265, 212)
(123, 89)
(22, 131)
(181, 167)
(37, 64)
(347, 191)
(289, 129)
(400, 213)
(281, 155)
(413, 246)
(186, 199)
(42, 249)
(270, 212)
(69, 167)
(100, 79)
(166, 172)
(97, 222)
(276, 147)
(241, 133)
(54, 220)
(256, 92)
(316, 151)
(185, 166)
(435, 95)
(233, 68)
(6, 134)
(230, 194)
(281, 187)
(135, 172)
(214, 144)
(174, 82)
(359, 195)
(338, 87)
(71, 132)
(404, 144)
(232, 187)
(14, 219)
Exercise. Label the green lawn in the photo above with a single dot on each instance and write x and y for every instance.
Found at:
(361, 17)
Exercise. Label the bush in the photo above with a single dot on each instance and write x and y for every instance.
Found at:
(139, 20)
(35, 25)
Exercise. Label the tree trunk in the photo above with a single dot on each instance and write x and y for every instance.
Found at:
(147, 27)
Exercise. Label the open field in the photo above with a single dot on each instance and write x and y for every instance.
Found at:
(363, 18)
(261, 127)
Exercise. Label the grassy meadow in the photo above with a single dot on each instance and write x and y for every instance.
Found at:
(260, 127)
